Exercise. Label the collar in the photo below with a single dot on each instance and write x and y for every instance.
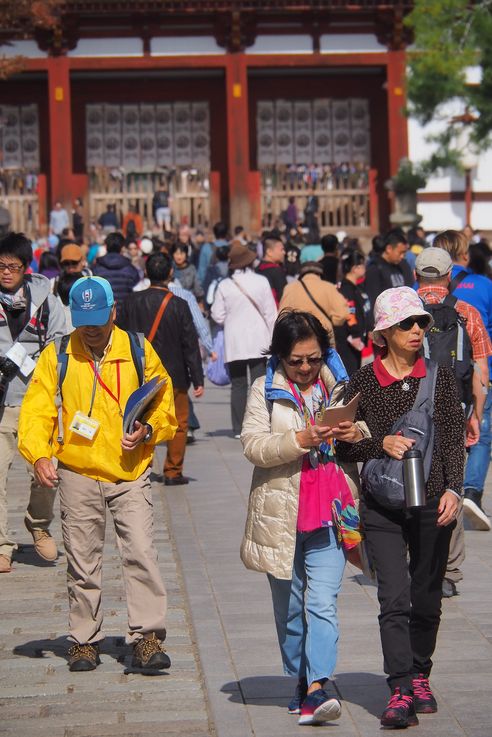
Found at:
(117, 348)
(438, 292)
(386, 379)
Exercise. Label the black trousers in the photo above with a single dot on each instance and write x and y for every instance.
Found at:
(409, 553)
(238, 371)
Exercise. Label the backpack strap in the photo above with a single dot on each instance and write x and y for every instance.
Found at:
(457, 280)
(427, 388)
(137, 348)
(61, 371)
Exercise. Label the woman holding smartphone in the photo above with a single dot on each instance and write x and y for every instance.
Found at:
(301, 516)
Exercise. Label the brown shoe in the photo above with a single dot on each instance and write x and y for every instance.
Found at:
(83, 657)
(148, 653)
(5, 564)
(44, 545)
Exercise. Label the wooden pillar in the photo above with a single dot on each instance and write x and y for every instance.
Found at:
(397, 121)
(238, 140)
(60, 176)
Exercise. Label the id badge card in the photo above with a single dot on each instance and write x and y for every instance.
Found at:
(84, 426)
(22, 359)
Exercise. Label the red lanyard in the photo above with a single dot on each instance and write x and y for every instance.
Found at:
(103, 385)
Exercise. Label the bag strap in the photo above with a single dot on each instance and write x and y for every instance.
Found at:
(427, 388)
(316, 304)
(137, 348)
(158, 317)
(243, 291)
(61, 371)
(457, 280)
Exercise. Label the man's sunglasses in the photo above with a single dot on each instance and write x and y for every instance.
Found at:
(71, 263)
(311, 360)
(423, 321)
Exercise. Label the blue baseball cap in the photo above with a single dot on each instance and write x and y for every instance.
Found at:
(91, 301)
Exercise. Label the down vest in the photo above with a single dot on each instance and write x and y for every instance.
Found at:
(269, 441)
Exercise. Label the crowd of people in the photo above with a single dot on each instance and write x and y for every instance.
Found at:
(402, 334)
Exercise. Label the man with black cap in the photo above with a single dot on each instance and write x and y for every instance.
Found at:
(73, 410)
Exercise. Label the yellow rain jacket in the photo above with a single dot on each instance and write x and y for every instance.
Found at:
(102, 458)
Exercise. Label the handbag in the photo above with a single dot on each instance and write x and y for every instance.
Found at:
(217, 371)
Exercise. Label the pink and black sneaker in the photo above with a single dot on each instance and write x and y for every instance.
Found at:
(318, 707)
(423, 697)
(400, 712)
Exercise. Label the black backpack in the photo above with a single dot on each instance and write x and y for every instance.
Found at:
(382, 478)
(448, 344)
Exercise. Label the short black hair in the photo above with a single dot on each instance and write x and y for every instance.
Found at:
(158, 267)
(394, 237)
(18, 245)
(220, 230)
(48, 261)
(238, 229)
(114, 242)
(329, 243)
(378, 245)
(350, 258)
(292, 326)
(179, 246)
(65, 283)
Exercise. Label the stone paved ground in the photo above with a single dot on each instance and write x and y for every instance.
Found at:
(226, 676)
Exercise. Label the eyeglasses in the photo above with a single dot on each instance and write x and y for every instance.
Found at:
(14, 268)
(311, 360)
(408, 323)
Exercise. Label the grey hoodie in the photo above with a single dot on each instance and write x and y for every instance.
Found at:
(33, 337)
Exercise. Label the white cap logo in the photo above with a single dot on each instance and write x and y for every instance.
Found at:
(87, 295)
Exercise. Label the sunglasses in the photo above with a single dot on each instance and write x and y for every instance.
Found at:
(311, 360)
(71, 263)
(407, 324)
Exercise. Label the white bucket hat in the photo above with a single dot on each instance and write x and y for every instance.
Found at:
(394, 305)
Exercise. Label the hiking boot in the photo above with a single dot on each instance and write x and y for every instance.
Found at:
(300, 694)
(472, 508)
(83, 657)
(318, 707)
(400, 712)
(44, 545)
(423, 698)
(148, 653)
(5, 564)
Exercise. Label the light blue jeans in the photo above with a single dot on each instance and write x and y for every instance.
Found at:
(479, 456)
(305, 607)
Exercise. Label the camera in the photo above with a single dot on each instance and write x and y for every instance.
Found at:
(8, 369)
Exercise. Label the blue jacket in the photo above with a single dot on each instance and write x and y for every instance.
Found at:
(477, 291)
(119, 272)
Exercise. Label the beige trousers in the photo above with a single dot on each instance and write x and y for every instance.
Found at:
(83, 504)
(40, 510)
(456, 554)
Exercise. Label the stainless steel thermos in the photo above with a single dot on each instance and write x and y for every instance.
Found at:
(413, 478)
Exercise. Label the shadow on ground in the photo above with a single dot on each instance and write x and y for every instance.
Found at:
(364, 689)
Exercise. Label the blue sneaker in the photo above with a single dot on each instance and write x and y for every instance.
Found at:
(298, 697)
(318, 707)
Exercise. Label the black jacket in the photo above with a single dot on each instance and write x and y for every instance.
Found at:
(120, 273)
(176, 340)
(275, 275)
(381, 275)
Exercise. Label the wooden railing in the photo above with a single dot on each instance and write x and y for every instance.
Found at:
(346, 209)
(191, 208)
(24, 212)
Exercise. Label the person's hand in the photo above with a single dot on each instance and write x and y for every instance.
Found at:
(447, 509)
(472, 431)
(347, 431)
(313, 436)
(213, 356)
(354, 557)
(356, 343)
(396, 445)
(129, 441)
(45, 473)
(198, 392)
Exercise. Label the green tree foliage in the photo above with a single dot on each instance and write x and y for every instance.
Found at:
(451, 35)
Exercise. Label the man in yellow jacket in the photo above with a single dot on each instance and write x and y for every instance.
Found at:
(99, 467)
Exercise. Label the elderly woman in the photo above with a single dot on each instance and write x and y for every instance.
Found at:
(408, 547)
(301, 515)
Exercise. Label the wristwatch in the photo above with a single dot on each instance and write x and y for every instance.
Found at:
(150, 432)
